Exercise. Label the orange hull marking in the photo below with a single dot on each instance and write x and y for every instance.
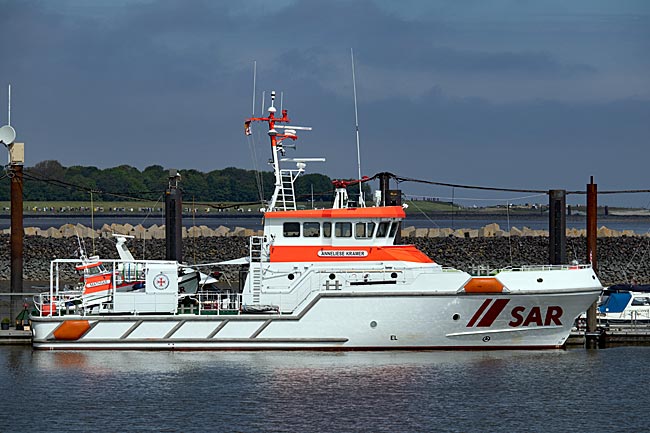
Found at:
(484, 285)
(406, 253)
(71, 329)
(97, 283)
(346, 213)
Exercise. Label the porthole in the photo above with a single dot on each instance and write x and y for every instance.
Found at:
(539, 280)
(393, 275)
(456, 316)
(373, 324)
(291, 276)
(332, 276)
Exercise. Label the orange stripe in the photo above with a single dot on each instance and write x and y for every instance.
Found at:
(360, 212)
(483, 285)
(406, 253)
(89, 265)
(97, 283)
(71, 329)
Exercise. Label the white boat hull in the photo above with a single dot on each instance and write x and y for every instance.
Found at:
(341, 321)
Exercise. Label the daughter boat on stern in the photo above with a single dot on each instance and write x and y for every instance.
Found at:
(325, 279)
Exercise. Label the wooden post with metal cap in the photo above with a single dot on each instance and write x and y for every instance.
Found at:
(16, 162)
(173, 219)
(592, 336)
(557, 226)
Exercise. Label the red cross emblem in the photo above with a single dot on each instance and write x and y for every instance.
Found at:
(161, 281)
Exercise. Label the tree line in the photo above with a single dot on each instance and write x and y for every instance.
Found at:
(51, 181)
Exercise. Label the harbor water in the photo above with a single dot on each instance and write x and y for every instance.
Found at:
(532, 391)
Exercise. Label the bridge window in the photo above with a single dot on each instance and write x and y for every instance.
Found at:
(311, 230)
(327, 230)
(393, 229)
(291, 230)
(364, 230)
(382, 230)
(343, 230)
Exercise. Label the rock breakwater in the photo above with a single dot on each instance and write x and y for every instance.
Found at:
(620, 259)
(158, 232)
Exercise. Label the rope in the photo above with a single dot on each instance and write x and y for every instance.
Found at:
(69, 185)
(92, 221)
(509, 234)
(259, 179)
(489, 188)
(194, 225)
(160, 197)
(455, 185)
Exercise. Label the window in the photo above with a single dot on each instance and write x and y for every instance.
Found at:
(327, 230)
(393, 229)
(343, 230)
(364, 230)
(291, 230)
(311, 230)
(382, 230)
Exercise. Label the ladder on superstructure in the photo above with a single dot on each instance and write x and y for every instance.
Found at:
(287, 193)
(255, 269)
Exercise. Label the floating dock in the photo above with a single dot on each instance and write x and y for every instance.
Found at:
(15, 337)
(623, 334)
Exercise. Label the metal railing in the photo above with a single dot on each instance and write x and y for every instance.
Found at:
(202, 303)
(488, 271)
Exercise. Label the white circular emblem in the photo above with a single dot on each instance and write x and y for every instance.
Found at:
(161, 281)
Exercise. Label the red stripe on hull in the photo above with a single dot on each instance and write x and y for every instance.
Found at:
(492, 313)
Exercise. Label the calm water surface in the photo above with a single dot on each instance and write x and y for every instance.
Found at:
(545, 391)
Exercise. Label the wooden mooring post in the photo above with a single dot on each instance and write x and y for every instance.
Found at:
(592, 336)
(16, 162)
(173, 219)
(557, 226)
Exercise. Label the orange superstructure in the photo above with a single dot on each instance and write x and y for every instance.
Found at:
(344, 213)
(406, 253)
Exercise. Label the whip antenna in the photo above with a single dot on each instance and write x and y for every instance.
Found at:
(254, 82)
(362, 202)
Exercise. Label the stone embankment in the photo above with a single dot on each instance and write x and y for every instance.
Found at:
(621, 258)
(158, 232)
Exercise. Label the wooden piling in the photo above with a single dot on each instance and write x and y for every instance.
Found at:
(592, 335)
(557, 226)
(17, 231)
(173, 219)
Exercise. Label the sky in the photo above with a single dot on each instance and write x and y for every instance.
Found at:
(516, 94)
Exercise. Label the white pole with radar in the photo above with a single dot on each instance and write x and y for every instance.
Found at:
(7, 132)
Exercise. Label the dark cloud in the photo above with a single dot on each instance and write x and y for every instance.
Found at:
(531, 97)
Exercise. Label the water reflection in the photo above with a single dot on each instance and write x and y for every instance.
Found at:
(320, 391)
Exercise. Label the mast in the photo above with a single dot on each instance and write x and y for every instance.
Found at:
(276, 143)
(362, 202)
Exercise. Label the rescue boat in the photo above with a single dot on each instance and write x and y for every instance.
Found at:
(320, 279)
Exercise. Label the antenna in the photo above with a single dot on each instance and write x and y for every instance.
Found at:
(254, 82)
(263, 96)
(281, 101)
(356, 120)
(7, 133)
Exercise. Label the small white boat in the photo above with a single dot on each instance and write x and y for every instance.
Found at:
(625, 303)
(322, 279)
